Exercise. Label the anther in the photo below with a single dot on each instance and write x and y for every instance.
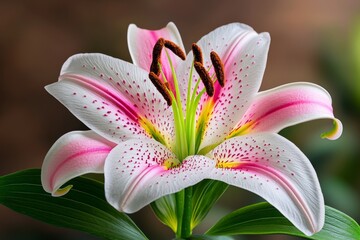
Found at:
(156, 56)
(205, 78)
(197, 53)
(175, 49)
(167, 85)
(218, 67)
(161, 87)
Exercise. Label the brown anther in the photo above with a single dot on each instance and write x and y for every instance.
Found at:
(175, 49)
(156, 56)
(218, 67)
(167, 85)
(197, 53)
(154, 67)
(161, 87)
(205, 78)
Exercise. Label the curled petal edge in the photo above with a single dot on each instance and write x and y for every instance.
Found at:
(74, 154)
(335, 132)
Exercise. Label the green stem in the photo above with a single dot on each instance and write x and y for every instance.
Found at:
(187, 214)
(184, 213)
(179, 212)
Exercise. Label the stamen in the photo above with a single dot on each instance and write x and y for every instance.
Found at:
(218, 67)
(167, 85)
(197, 53)
(156, 56)
(206, 79)
(175, 49)
(161, 87)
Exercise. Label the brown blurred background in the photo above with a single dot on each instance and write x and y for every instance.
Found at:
(315, 41)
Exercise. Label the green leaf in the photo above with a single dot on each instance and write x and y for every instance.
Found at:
(262, 218)
(205, 195)
(84, 208)
(207, 237)
(164, 209)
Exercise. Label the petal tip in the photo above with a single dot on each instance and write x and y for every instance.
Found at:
(171, 24)
(132, 27)
(316, 227)
(266, 35)
(49, 87)
(61, 191)
(335, 132)
(314, 231)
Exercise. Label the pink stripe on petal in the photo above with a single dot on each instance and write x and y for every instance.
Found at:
(285, 183)
(97, 111)
(122, 104)
(275, 169)
(244, 68)
(285, 106)
(244, 54)
(137, 172)
(140, 179)
(72, 155)
(141, 43)
(292, 104)
(75, 158)
(113, 97)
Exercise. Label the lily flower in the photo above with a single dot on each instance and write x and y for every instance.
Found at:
(168, 121)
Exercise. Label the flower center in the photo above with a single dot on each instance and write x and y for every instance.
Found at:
(189, 128)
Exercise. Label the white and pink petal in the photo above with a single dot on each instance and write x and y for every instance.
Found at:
(287, 105)
(244, 55)
(141, 43)
(137, 172)
(244, 69)
(112, 97)
(74, 154)
(275, 169)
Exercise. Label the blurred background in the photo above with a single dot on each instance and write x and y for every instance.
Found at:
(315, 41)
